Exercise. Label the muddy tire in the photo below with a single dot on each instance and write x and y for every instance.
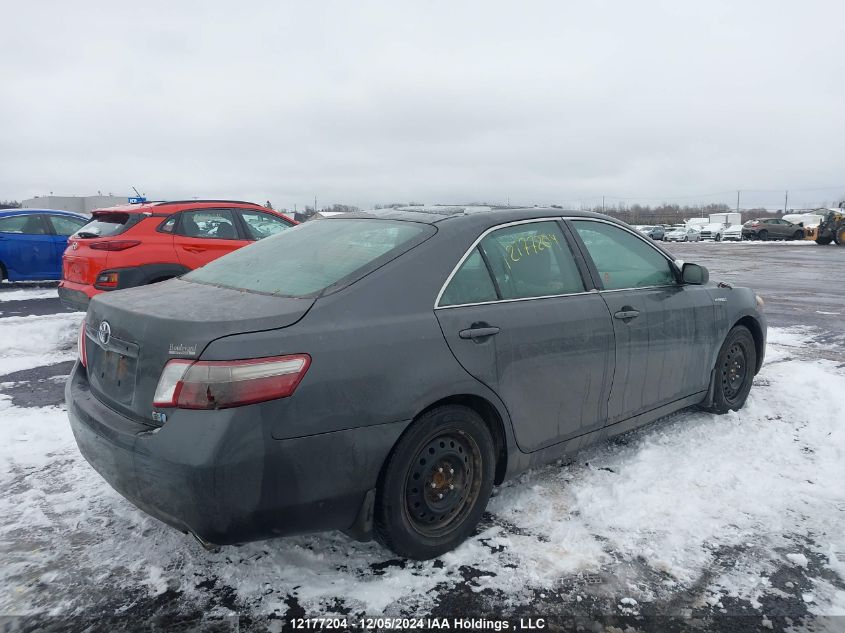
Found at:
(839, 236)
(734, 371)
(824, 241)
(436, 483)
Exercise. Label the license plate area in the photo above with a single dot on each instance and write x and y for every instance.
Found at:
(112, 368)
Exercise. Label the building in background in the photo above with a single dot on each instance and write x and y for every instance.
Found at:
(80, 204)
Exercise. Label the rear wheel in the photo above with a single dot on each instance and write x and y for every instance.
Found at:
(763, 235)
(799, 235)
(718, 237)
(734, 371)
(436, 483)
(2, 272)
(839, 236)
(824, 241)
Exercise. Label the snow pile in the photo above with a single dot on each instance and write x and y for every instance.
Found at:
(763, 485)
(24, 295)
(27, 342)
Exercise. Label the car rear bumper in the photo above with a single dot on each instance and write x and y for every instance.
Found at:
(76, 295)
(221, 476)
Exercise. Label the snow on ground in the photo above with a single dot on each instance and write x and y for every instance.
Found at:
(34, 293)
(27, 342)
(655, 512)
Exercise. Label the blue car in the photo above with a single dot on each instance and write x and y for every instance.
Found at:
(32, 242)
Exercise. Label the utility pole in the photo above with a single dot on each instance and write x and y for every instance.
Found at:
(602, 204)
(737, 201)
(315, 204)
(785, 200)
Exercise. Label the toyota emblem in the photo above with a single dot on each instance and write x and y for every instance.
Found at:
(104, 333)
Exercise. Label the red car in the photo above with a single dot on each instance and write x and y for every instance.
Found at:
(140, 244)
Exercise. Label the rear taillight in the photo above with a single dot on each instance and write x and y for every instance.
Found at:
(80, 345)
(113, 245)
(106, 280)
(216, 384)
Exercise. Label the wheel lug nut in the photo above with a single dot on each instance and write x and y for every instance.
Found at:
(451, 471)
(451, 486)
(433, 485)
(440, 496)
(440, 470)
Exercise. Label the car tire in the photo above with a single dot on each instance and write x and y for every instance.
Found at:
(824, 241)
(839, 236)
(763, 235)
(734, 371)
(718, 237)
(435, 484)
(798, 235)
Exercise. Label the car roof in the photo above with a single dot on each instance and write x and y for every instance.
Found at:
(469, 215)
(11, 212)
(161, 205)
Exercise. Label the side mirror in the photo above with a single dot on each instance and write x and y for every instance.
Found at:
(695, 274)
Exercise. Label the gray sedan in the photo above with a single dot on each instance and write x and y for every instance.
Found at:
(380, 372)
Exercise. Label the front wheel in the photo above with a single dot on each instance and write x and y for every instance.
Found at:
(839, 236)
(799, 235)
(734, 371)
(436, 483)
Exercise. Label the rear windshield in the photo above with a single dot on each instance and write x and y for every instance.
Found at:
(105, 224)
(311, 257)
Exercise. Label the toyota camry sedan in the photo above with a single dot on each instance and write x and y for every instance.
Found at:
(378, 373)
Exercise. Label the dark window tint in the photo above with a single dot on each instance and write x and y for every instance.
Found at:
(64, 225)
(168, 225)
(313, 256)
(106, 224)
(623, 260)
(260, 225)
(218, 224)
(471, 284)
(23, 224)
(531, 260)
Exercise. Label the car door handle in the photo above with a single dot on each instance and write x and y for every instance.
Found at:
(193, 249)
(627, 313)
(478, 332)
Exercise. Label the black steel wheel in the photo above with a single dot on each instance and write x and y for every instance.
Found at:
(734, 371)
(435, 484)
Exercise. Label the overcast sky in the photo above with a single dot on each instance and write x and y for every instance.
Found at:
(368, 102)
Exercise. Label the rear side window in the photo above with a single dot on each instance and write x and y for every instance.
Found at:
(308, 258)
(471, 284)
(106, 224)
(63, 225)
(218, 224)
(532, 260)
(622, 259)
(23, 224)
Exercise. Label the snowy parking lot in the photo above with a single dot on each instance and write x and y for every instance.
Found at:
(696, 521)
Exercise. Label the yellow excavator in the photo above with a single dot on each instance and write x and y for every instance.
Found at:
(831, 228)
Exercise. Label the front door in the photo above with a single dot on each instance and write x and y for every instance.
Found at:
(204, 235)
(27, 247)
(664, 329)
(517, 316)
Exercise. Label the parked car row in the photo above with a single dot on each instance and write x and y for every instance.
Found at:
(32, 242)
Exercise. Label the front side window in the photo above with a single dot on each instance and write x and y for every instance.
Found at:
(531, 260)
(308, 258)
(623, 260)
(260, 225)
(64, 225)
(22, 224)
(217, 224)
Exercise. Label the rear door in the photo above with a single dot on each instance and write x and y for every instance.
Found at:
(518, 315)
(28, 247)
(664, 330)
(203, 235)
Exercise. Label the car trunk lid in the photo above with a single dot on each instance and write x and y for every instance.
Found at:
(146, 327)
